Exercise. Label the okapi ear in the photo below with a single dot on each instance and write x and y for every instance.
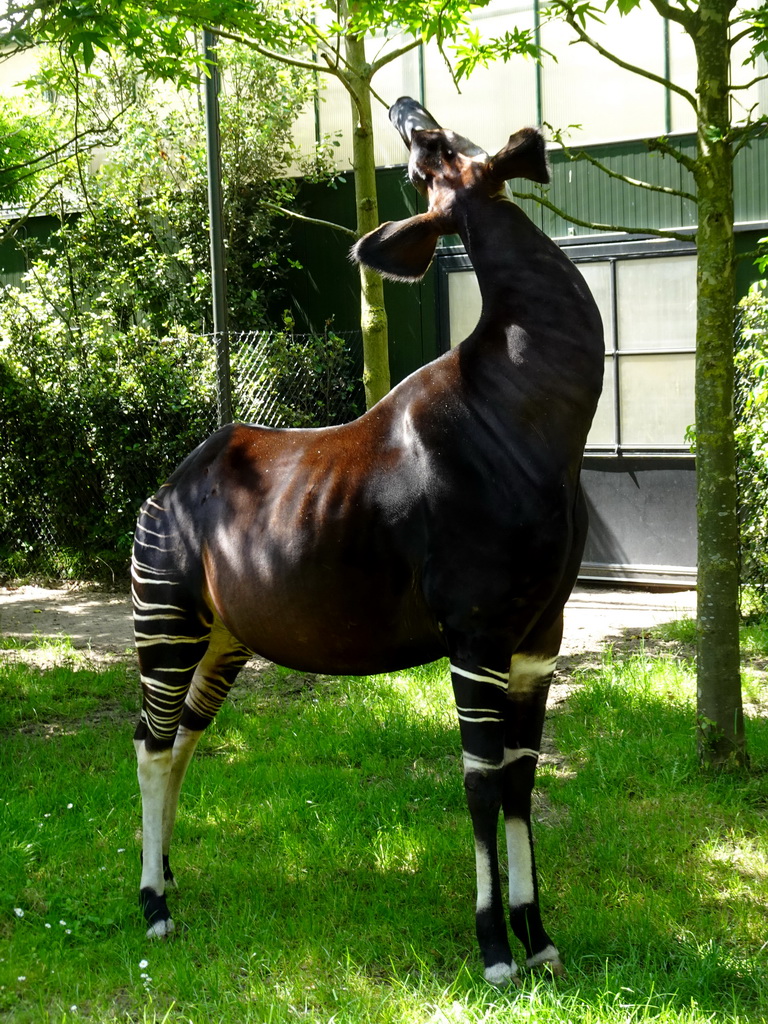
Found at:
(524, 156)
(401, 250)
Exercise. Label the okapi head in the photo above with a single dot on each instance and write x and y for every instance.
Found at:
(447, 169)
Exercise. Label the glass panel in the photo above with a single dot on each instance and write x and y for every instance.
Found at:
(464, 304)
(336, 119)
(603, 429)
(682, 65)
(599, 99)
(304, 136)
(398, 78)
(656, 398)
(598, 278)
(657, 302)
(752, 100)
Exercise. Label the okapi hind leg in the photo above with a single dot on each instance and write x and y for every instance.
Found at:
(162, 773)
(211, 683)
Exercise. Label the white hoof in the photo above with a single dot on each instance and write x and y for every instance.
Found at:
(549, 959)
(502, 974)
(161, 929)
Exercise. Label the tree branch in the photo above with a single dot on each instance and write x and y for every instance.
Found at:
(18, 224)
(635, 182)
(748, 132)
(752, 255)
(656, 232)
(749, 85)
(643, 72)
(74, 140)
(666, 10)
(739, 35)
(312, 220)
(394, 55)
(283, 58)
(347, 78)
(661, 145)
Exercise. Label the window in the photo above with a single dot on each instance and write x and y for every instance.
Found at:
(648, 305)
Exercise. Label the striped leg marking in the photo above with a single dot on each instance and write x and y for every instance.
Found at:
(180, 700)
(154, 772)
(171, 639)
(501, 715)
(481, 694)
(529, 680)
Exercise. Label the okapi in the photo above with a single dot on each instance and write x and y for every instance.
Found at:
(447, 520)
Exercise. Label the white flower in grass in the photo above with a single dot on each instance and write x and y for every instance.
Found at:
(70, 806)
(22, 977)
(47, 924)
(73, 1009)
(143, 964)
(62, 923)
(18, 912)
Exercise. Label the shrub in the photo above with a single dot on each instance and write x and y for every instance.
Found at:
(752, 442)
(92, 424)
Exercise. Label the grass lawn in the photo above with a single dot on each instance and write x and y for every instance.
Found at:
(325, 864)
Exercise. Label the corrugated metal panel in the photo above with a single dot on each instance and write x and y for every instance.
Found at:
(588, 194)
(11, 278)
(750, 175)
(13, 263)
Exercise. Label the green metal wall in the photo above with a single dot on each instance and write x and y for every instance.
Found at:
(12, 262)
(326, 286)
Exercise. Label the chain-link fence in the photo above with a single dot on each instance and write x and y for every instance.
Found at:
(305, 380)
(75, 471)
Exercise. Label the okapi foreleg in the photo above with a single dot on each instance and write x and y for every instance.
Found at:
(480, 694)
(529, 681)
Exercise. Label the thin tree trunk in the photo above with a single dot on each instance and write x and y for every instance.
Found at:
(373, 316)
(720, 716)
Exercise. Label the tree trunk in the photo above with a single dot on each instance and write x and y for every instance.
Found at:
(373, 316)
(720, 718)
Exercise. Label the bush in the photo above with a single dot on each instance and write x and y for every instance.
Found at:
(752, 442)
(105, 384)
(92, 426)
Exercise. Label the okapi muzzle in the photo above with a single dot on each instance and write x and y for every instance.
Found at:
(447, 521)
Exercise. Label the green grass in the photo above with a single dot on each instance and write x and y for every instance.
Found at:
(753, 636)
(324, 858)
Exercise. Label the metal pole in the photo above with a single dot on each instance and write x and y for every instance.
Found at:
(537, 66)
(216, 222)
(668, 77)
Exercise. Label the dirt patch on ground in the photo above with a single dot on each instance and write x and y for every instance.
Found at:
(93, 619)
(98, 623)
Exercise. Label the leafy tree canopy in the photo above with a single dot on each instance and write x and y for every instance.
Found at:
(157, 35)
